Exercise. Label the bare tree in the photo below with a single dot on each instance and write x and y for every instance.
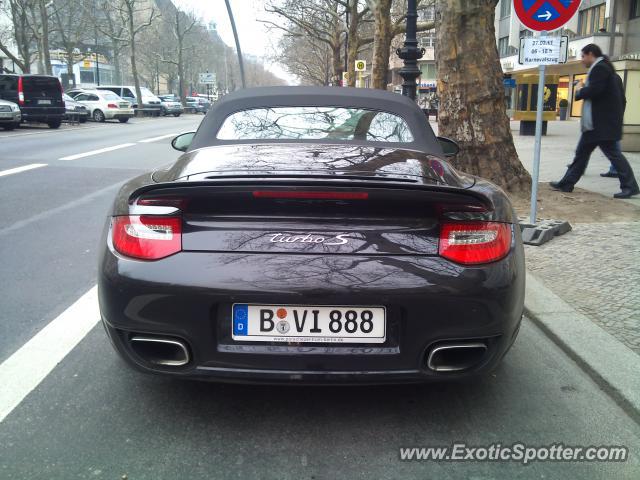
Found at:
(43, 35)
(356, 14)
(471, 92)
(137, 16)
(317, 19)
(307, 58)
(386, 29)
(70, 20)
(21, 31)
(180, 25)
(108, 23)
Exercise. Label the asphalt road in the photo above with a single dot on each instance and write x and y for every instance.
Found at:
(91, 417)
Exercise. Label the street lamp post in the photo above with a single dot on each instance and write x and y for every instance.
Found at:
(235, 36)
(410, 53)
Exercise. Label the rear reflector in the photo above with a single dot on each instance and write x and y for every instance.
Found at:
(147, 237)
(472, 243)
(311, 195)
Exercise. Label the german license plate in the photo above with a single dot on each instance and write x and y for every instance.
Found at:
(304, 323)
(44, 102)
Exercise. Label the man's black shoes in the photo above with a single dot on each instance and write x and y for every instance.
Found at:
(627, 193)
(561, 187)
(609, 174)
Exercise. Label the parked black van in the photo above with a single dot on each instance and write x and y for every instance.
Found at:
(39, 97)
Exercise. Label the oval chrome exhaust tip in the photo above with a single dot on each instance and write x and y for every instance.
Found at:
(455, 357)
(160, 351)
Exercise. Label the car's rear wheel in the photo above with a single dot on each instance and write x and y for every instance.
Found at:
(176, 114)
(98, 116)
(123, 120)
(54, 123)
(82, 119)
(10, 126)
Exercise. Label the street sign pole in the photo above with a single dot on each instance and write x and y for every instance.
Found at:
(538, 144)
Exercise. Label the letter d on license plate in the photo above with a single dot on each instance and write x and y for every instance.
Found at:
(304, 323)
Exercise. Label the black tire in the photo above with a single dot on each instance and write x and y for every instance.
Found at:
(123, 120)
(176, 114)
(83, 119)
(9, 126)
(54, 124)
(98, 116)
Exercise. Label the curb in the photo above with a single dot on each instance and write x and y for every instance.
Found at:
(611, 364)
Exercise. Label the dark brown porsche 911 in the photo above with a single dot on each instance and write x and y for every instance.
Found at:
(312, 235)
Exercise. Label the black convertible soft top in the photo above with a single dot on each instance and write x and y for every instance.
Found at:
(424, 138)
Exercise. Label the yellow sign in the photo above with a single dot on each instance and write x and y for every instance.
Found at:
(361, 65)
(86, 63)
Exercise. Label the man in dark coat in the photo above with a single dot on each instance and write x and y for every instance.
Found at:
(601, 123)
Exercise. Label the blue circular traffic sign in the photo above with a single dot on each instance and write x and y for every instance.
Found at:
(545, 15)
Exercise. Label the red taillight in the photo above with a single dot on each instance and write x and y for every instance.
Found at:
(112, 105)
(147, 237)
(20, 91)
(311, 195)
(472, 243)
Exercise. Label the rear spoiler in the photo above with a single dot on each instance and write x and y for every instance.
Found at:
(489, 198)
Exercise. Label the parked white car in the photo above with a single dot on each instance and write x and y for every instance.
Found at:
(104, 105)
(10, 115)
(150, 102)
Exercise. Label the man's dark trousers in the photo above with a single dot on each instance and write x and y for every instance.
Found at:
(584, 150)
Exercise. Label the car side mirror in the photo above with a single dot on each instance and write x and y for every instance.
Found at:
(449, 147)
(182, 142)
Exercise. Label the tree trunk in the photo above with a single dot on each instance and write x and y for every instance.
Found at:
(336, 61)
(44, 18)
(134, 68)
(117, 70)
(382, 37)
(472, 107)
(134, 73)
(183, 100)
(70, 62)
(352, 47)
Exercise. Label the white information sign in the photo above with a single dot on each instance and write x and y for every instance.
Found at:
(208, 78)
(539, 50)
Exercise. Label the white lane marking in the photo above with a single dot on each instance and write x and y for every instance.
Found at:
(49, 131)
(96, 152)
(25, 369)
(24, 168)
(149, 140)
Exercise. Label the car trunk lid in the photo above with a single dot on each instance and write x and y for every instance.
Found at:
(320, 217)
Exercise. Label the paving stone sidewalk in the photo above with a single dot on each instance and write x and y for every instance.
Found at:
(596, 269)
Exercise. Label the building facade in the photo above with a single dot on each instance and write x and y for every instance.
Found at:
(614, 25)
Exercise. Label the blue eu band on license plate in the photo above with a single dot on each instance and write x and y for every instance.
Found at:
(306, 323)
(240, 313)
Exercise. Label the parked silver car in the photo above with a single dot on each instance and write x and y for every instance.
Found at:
(170, 105)
(74, 110)
(103, 105)
(10, 116)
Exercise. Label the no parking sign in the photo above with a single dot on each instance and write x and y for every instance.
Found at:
(545, 15)
(541, 16)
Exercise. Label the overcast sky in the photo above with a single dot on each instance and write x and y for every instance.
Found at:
(254, 37)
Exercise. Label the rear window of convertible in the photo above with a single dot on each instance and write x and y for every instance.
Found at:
(314, 123)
